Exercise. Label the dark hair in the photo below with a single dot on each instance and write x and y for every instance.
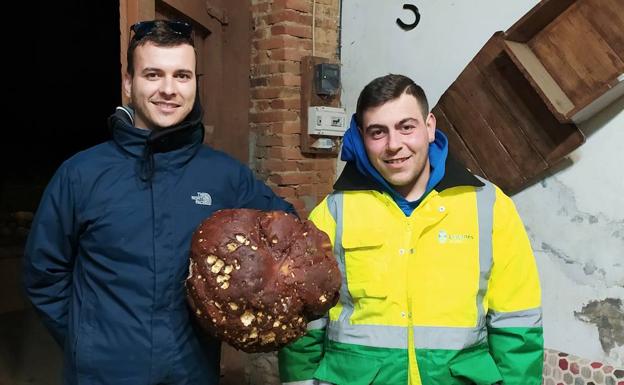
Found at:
(386, 88)
(162, 33)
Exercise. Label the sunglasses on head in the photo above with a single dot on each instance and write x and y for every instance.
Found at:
(144, 28)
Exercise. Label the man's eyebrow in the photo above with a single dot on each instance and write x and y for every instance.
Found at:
(384, 127)
(380, 126)
(151, 69)
(403, 121)
(184, 71)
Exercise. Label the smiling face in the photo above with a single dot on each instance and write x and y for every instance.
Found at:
(396, 137)
(163, 87)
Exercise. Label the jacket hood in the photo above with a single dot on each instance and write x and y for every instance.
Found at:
(353, 151)
(145, 143)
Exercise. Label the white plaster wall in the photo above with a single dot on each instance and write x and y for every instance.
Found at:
(575, 217)
(449, 34)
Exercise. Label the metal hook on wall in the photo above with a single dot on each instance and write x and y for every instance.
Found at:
(405, 26)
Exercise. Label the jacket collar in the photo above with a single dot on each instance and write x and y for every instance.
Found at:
(134, 140)
(455, 175)
(176, 144)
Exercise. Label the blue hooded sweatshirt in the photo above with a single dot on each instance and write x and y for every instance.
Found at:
(353, 151)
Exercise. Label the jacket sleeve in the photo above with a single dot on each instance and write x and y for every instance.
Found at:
(299, 360)
(254, 194)
(50, 252)
(514, 318)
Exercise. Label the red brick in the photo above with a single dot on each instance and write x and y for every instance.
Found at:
(299, 43)
(292, 178)
(282, 41)
(284, 80)
(288, 54)
(260, 105)
(306, 189)
(273, 92)
(325, 164)
(286, 104)
(291, 140)
(263, 47)
(273, 116)
(283, 153)
(272, 43)
(284, 191)
(299, 5)
(272, 166)
(286, 127)
(324, 176)
(277, 80)
(317, 164)
(292, 30)
(276, 67)
(290, 66)
(286, 15)
(306, 165)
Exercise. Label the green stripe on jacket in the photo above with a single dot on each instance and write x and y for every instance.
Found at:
(347, 364)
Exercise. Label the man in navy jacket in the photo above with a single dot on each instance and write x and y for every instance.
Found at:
(108, 251)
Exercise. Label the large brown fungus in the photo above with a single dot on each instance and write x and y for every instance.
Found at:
(257, 278)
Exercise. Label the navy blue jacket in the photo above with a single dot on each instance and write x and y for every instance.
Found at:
(108, 253)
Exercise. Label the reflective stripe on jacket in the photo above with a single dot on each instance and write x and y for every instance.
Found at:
(449, 295)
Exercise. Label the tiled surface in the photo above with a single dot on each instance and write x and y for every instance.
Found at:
(565, 369)
(29, 356)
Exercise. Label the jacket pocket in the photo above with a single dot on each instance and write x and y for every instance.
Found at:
(346, 368)
(366, 266)
(477, 367)
(80, 354)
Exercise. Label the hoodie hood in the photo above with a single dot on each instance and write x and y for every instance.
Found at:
(353, 151)
(145, 143)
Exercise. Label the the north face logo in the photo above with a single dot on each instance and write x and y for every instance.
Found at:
(202, 198)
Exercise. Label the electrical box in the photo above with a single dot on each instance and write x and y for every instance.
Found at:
(323, 122)
(327, 78)
(327, 121)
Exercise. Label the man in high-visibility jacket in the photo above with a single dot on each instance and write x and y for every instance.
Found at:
(440, 286)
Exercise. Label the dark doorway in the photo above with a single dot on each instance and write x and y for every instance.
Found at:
(62, 64)
(65, 81)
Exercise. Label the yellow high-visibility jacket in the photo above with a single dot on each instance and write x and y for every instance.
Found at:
(449, 295)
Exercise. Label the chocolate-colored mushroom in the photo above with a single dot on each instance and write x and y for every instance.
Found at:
(257, 278)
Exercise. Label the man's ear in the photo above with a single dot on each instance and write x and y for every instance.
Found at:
(430, 123)
(127, 84)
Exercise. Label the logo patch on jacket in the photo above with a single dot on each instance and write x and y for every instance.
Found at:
(444, 237)
(202, 198)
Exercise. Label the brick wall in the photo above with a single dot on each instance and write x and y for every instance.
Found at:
(282, 35)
